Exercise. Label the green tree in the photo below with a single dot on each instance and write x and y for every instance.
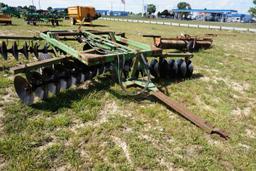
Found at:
(32, 7)
(252, 10)
(151, 9)
(183, 5)
(165, 14)
(2, 5)
(49, 9)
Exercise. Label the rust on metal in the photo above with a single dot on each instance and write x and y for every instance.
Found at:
(185, 55)
(183, 111)
(102, 52)
(26, 67)
(182, 42)
(156, 51)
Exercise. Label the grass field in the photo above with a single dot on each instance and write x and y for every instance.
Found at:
(242, 25)
(97, 128)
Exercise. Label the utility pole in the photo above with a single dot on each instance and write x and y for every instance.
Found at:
(33, 2)
(143, 8)
(39, 4)
(111, 8)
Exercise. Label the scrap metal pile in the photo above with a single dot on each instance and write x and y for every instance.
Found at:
(183, 42)
(68, 58)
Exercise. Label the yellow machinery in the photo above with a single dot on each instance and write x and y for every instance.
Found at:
(81, 14)
(6, 19)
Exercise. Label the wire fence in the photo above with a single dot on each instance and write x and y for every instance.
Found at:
(239, 29)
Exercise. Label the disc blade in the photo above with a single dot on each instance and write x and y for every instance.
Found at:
(152, 66)
(190, 69)
(52, 88)
(48, 73)
(82, 77)
(35, 49)
(44, 56)
(15, 51)
(73, 80)
(25, 50)
(34, 78)
(172, 68)
(156, 70)
(57, 87)
(182, 68)
(69, 82)
(101, 70)
(39, 92)
(63, 84)
(45, 49)
(4, 51)
(163, 68)
(24, 90)
(93, 73)
(46, 93)
(87, 76)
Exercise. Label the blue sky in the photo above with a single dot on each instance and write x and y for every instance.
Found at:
(136, 5)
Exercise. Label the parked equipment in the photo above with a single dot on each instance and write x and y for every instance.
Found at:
(33, 17)
(69, 58)
(79, 14)
(11, 11)
(5, 19)
(182, 42)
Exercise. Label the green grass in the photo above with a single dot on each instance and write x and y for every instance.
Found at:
(243, 25)
(98, 128)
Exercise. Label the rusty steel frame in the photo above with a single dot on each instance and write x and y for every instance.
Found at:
(183, 42)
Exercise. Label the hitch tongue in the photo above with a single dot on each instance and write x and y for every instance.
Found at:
(183, 111)
(221, 133)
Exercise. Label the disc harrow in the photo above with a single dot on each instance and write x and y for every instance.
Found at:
(171, 68)
(53, 79)
(28, 48)
(183, 42)
(69, 58)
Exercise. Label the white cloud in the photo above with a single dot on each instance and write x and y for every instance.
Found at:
(136, 5)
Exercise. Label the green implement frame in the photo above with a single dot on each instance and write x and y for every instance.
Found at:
(100, 48)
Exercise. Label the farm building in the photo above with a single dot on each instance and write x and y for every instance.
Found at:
(113, 13)
(203, 14)
(240, 18)
(103, 12)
